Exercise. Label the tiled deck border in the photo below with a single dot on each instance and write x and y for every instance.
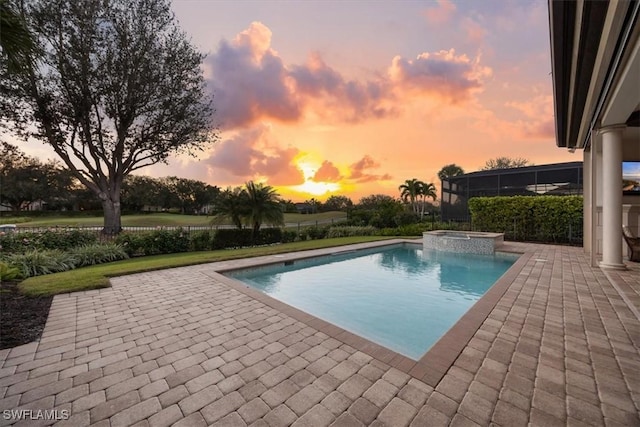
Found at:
(435, 363)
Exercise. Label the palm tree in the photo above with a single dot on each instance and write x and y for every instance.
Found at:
(450, 170)
(427, 189)
(15, 39)
(231, 204)
(410, 191)
(263, 203)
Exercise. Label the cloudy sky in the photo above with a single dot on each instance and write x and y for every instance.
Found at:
(354, 97)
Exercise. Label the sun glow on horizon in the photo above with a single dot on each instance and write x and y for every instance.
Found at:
(314, 188)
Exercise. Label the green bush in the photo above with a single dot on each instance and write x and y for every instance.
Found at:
(8, 273)
(232, 238)
(131, 243)
(165, 242)
(315, 232)
(289, 236)
(154, 242)
(556, 219)
(38, 262)
(200, 241)
(351, 230)
(236, 238)
(61, 239)
(97, 253)
(269, 236)
(406, 218)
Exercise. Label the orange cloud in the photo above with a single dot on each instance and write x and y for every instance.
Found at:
(360, 174)
(327, 172)
(539, 115)
(440, 14)
(250, 155)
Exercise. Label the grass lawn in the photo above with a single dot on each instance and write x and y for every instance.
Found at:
(152, 220)
(97, 276)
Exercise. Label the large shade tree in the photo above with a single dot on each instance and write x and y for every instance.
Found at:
(117, 86)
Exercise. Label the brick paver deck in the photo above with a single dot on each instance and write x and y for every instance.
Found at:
(180, 346)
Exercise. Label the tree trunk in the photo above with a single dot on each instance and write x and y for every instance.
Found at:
(112, 219)
(256, 230)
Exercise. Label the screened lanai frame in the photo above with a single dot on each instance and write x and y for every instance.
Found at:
(561, 179)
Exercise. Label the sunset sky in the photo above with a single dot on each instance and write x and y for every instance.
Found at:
(353, 97)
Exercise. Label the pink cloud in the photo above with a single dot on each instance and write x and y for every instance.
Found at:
(440, 14)
(346, 100)
(250, 155)
(452, 77)
(250, 83)
(360, 174)
(327, 172)
(475, 32)
(250, 80)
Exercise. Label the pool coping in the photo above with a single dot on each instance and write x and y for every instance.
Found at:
(435, 363)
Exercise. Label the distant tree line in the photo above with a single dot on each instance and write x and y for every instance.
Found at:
(26, 182)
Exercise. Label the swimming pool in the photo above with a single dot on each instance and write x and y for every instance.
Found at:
(400, 296)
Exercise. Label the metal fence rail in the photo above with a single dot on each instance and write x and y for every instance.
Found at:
(185, 228)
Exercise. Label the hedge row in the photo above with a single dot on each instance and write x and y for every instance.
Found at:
(556, 219)
(174, 241)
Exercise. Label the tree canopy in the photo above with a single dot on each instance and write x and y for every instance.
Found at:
(449, 171)
(506, 163)
(116, 87)
(25, 180)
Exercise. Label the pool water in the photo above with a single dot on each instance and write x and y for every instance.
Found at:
(402, 297)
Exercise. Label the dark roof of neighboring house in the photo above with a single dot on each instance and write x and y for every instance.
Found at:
(535, 168)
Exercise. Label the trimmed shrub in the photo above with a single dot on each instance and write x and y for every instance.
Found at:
(269, 236)
(315, 232)
(236, 238)
(97, 253)
(556, 219)
(154, 242)
(165, 242)
(61, 239)
(351, 230)
(232, 238)
(289, 236)
(200, 241)
(38, 262)
(131, 243)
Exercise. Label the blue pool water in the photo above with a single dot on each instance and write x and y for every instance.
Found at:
(401, 297)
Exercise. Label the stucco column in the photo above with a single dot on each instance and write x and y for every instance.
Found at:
(612, 197)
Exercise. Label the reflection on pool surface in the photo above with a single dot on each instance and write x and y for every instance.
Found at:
(402, 297)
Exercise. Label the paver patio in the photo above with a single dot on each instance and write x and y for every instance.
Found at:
(560, 347)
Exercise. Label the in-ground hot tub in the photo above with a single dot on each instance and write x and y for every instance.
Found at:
(467, 242)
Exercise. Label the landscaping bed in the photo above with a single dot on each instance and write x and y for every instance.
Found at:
(22, 318)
